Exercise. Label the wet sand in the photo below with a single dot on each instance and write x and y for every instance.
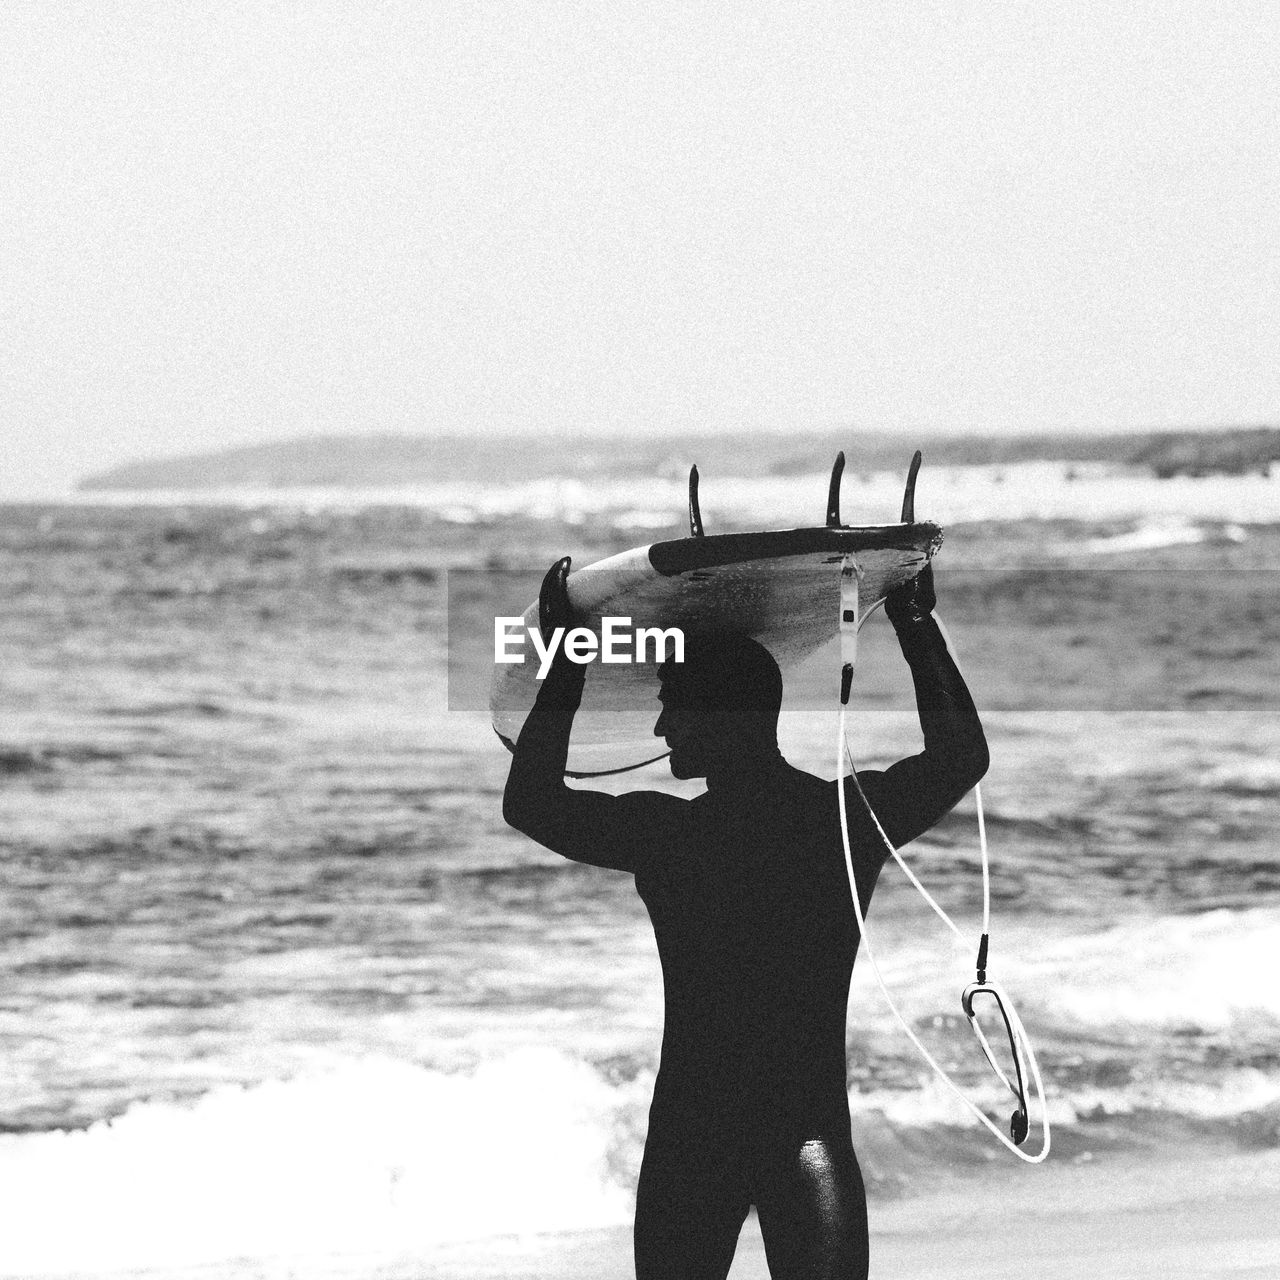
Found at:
(1129, 1220)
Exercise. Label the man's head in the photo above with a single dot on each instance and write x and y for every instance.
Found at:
(720, 704)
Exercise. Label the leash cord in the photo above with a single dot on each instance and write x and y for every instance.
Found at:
(1021, 1042)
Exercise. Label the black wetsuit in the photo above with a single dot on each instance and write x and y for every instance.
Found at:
(749, 899)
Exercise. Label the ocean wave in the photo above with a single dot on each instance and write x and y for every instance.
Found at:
(933, 1105)
(1163, 531)
(1259, 776)
(379, 1157)
(1207, 972)
(15, 761)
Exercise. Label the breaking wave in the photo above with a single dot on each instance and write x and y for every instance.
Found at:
(379, 1157)
(388, 1158)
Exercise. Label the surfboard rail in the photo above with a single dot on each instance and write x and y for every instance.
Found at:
(683, 555)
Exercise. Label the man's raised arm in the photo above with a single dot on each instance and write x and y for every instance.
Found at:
(910, 796)
(619, 832)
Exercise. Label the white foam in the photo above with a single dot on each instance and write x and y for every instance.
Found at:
(1233, 1094)
(1260, 775)
(1205, 971)
(383, 1159)
(1050, 490)
(1148, 536)
(379, 1157)
(933, 1104)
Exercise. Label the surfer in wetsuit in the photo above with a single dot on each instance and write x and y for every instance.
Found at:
(748, 895)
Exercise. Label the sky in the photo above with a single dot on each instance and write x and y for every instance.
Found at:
(234, 222)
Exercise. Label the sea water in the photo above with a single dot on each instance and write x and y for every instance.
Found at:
(278, 981)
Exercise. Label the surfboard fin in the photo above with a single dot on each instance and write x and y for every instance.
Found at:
(909, 497)
(695, 512)
(833, 492)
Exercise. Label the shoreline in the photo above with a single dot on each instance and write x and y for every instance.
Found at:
(1172, 1212)
(1121, 1217)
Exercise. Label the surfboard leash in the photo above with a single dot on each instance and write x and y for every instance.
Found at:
(1021, 1049)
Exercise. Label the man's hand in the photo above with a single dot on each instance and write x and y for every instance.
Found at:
(554, 609)
(914, 600)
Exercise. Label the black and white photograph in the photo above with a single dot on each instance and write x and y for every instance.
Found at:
(639, 641)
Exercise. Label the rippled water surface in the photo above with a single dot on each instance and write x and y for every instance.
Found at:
(256, 877)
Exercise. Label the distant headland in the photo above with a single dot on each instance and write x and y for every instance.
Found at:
(377, 461)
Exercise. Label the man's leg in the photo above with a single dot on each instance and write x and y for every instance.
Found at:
(812, 1206)
(691, 1202)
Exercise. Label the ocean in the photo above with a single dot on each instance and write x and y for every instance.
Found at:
(278, 982)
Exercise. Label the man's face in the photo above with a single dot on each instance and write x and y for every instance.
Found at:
(689, 729)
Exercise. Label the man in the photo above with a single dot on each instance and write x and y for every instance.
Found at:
(747, 891)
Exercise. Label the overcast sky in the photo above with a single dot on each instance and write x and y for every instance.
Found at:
(225, 223)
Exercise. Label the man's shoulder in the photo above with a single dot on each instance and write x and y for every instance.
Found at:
(808, 783)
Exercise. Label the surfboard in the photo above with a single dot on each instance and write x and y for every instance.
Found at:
(781, 587)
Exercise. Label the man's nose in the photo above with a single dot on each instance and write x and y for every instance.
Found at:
(660, 728)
